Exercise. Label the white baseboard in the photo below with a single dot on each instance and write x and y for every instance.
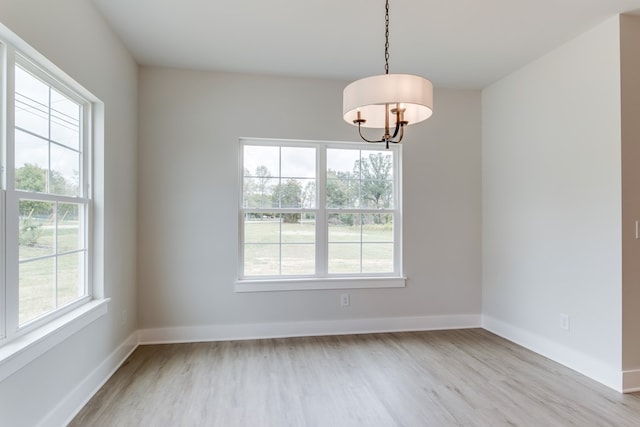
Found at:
(631, 381)
(309, 328)
(580, 362)
(73, 402)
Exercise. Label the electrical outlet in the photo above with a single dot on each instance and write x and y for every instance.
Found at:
(344, 300)
(564, 322)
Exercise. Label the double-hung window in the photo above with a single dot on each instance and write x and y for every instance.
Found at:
(319, 215)
(45, 197)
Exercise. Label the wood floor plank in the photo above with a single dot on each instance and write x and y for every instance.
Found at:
(441, 378)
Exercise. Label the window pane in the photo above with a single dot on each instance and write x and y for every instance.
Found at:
(344, 228)
(376, 164)
(298, 228)
(36, 229)
(343, 161)
(279, 177)
(261, 260)
(31, 103)
(37, 292)
(342, 193)
(261, 161)
(43, 114)
(261, 227)
(65, 120)
(376, 194)
(298, 162)
(377, 228)
(377, 258)
(348, 231)
(344, 258)
(309, 194)
(70, 278)
(65, 171)
(264, 254)
(376, 186)
(291, 193)
(343, 178)
(31, 162)
(69, 231)
(298, 259)
(260, 192)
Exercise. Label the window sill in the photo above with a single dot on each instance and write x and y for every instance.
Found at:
(319, 284)
(23, 350)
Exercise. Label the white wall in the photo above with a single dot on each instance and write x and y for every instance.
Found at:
(190, 123)
(74, 37)
(552, 204)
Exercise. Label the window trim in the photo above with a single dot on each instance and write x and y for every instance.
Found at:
(34, 339)
(25, 348)
(311, 284)
(322, 279)
(14, 196)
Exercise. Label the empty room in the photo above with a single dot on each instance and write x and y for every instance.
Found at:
(319, 213)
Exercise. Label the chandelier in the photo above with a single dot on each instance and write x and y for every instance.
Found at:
(387, 101)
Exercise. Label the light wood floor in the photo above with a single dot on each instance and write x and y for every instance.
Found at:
(444, 378)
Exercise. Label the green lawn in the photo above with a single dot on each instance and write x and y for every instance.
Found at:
(38, 293)
(273, 248)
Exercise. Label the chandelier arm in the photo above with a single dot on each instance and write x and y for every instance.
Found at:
(396, 141)
(398, 127)
(365, 139)
(401, 134)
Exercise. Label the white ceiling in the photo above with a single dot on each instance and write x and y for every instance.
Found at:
(455, 43)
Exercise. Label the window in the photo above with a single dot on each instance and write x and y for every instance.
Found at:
(45, 198)
(319, 211)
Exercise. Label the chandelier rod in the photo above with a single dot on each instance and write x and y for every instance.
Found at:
(386, 38)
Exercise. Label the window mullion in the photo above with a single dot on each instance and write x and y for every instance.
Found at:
(322, 246)
(397, 211)
(9, 278)
(48, 187)
(45, 197)
(281, 218)
(361, 244)
(12, 267)
(86, 144)
(8, 149)
(3, 302)
(56, 258)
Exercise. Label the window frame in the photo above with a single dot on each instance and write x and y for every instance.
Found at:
(322, 279)
(48, 328)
